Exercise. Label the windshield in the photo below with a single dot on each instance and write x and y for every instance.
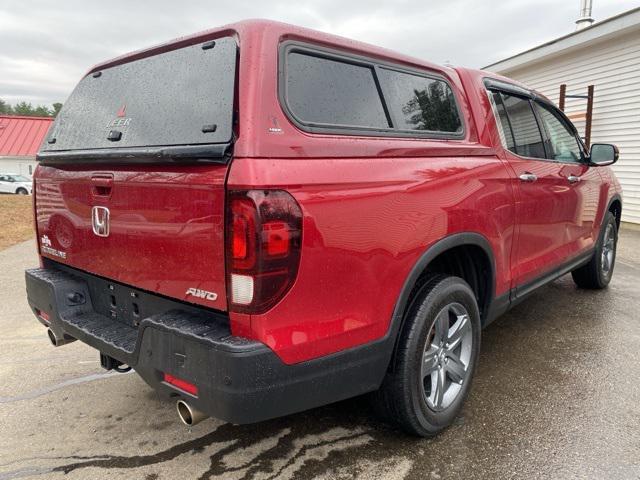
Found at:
(20, 178)
(181, 97)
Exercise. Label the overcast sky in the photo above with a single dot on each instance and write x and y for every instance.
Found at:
(46, 46)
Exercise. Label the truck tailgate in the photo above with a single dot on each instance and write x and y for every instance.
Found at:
(164, 229)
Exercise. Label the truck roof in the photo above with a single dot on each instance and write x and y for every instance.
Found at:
(257, 27)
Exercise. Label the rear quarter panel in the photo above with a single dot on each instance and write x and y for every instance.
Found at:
(367, 221)
(372, 206)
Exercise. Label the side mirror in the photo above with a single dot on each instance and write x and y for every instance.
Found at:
(603, 154)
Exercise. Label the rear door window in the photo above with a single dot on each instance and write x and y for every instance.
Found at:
(180, 97)
(504, 127)
(526, 139)
(420, 103)
(323, 91)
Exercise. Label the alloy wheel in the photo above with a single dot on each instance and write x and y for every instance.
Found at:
(608, 250)
(447, 356)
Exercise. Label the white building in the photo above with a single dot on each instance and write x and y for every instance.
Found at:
(20, 139)
(605, 54)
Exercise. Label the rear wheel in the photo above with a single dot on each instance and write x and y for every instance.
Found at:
(22, 191)
(598, 272)
(434, 359)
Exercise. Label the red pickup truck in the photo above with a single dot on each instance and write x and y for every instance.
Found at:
(261, 219)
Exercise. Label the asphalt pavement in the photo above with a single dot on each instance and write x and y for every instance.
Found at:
(557, 395)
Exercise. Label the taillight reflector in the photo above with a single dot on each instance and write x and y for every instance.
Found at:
(43, 315)
(241, 289)
(181, 384)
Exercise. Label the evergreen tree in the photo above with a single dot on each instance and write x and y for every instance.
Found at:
(56, 108)
(28, 110)
(23, 108)
(42, 111)
(5, 108)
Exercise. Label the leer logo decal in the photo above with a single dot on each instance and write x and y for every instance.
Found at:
(121, 120)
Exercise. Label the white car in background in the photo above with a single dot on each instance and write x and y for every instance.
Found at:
(14, 183)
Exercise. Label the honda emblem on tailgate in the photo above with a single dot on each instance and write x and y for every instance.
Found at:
(100, 221)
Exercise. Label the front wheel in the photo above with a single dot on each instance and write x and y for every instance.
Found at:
(598, 272)
(435, 358)
(22, 191)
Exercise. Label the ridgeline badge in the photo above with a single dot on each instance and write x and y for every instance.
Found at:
(45, 247)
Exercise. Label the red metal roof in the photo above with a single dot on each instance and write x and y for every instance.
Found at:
(22, 136)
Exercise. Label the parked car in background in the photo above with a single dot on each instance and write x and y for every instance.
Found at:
(14, 183)
(262, 219)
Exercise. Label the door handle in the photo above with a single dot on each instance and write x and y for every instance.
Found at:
(573, 179)
(528, 177)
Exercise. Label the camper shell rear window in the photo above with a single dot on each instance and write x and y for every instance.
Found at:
(176, 98)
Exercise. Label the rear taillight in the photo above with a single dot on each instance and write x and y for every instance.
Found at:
(263, 241)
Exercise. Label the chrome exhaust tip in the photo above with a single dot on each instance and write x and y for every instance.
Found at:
(59, 341)
(189, 415)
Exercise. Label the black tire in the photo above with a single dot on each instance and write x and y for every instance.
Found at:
(22, 191)
(407, 396)
(598, 272)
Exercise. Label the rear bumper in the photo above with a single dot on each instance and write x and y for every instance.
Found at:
(238, 380)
